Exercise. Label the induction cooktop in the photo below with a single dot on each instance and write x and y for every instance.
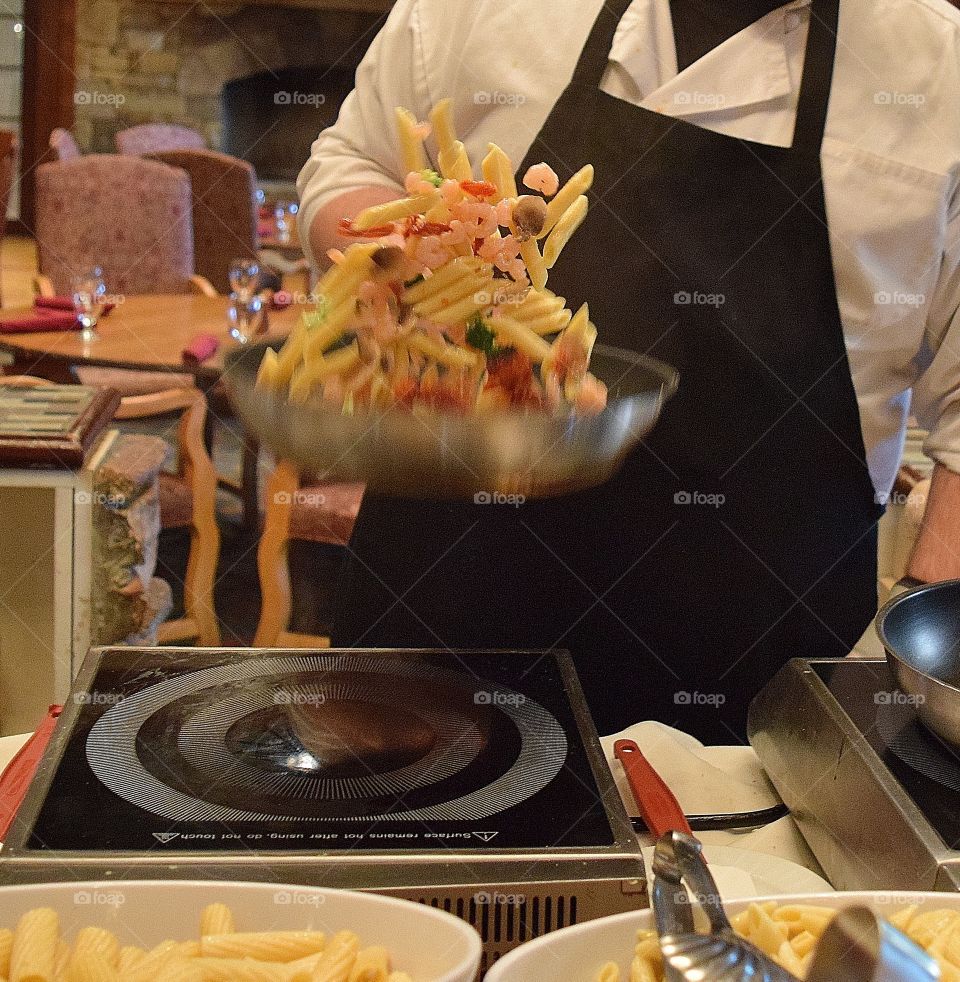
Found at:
(291, 750)
(423, 773)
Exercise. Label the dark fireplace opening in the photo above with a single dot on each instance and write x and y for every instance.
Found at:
(271, 118)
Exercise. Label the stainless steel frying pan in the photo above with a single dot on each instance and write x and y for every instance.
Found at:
(920, 630)
(438, 455)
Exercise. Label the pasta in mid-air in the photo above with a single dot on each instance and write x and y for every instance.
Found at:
(446, 305)
(35, 952)
(789, 933)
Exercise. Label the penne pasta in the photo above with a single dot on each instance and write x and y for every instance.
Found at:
(566, 225)
(565, 197)
(390, 211)
(446, 305)
(34, 949)
(35, 952)
(412, 154)
(498, 170)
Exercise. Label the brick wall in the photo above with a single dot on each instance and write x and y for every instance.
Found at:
(141, 61)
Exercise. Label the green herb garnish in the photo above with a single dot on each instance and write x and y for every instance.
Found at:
(428, 174)
(480, 336)
(313, 319)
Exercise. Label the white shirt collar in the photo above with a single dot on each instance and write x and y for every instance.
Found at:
(749, 69)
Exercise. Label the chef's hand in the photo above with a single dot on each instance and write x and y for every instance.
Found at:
(323, 230)
(936, 554)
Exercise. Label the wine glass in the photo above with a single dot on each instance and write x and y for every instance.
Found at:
(89, 299)
(245, 316)
(244, 278)
(281, 212)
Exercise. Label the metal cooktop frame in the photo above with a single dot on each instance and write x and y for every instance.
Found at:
(860, 823)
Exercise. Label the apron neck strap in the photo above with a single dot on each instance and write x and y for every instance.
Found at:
(817, 74)
(817, 64)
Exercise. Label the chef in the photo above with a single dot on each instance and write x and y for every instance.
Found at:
(775, 213)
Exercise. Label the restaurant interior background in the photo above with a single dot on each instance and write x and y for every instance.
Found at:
(85, 70)
(139, 516)
(94, 68)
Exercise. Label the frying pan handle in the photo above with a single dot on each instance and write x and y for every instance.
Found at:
(660, 809)
(19, 772)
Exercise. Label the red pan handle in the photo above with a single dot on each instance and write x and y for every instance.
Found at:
(19, 772)
(660, 809)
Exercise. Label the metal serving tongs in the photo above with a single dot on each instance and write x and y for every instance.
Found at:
(722, 955)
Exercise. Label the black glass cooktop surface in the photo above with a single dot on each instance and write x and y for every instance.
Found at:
(927, 768)
(221, 750)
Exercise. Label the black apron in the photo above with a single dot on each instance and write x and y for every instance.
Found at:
(743, 531)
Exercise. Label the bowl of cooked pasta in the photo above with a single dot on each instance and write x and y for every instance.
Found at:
(624, 948)
(186, 931)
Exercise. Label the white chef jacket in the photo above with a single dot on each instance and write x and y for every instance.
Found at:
(890, 156)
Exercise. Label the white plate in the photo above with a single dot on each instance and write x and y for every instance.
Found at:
(575, 954)
(430, 945)
(742, 873)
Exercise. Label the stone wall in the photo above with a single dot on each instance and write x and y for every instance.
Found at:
(143, 61)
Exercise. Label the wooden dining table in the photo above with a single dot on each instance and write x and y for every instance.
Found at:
(147, 332)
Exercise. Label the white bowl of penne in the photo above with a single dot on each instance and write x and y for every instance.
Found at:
(623, 948)
(191, 931)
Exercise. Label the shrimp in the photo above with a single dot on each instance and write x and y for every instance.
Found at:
(591, 396)
(543, 178)
(416, 183)
(431, 252)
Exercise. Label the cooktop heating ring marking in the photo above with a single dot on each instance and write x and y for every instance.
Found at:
(458, 744)
(908, 739)
(112, 752)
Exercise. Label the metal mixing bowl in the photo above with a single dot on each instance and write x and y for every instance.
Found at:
(920, 630)
(441, 455)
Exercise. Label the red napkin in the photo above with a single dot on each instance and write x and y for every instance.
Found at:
(53, 303)
(265, 229)
(200, 348)
(64, 303)
(43, 321)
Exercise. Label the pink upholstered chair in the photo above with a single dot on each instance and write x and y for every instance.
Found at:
(8, 154)
(224, 210)
(129, 216)
(311, 512)
(156, 137)
(63, 144)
